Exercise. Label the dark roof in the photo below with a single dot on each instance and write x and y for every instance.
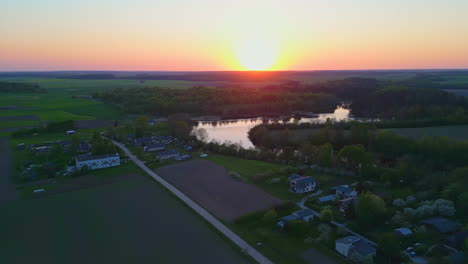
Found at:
(327, 198)
(457, 240)
(304, 181)
(359, 245)
(364, 248)
(156, 146)
(288, 218)
(442, 225)
(294, 177)
(344, 189)
(168, 152)
(87, 157)
(304, 213)
(144, 140)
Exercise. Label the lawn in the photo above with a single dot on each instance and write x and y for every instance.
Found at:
(128, 221)
(453, 132)
(246, 168)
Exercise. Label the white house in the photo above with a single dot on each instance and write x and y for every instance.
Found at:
(98, 162)
(301, 184)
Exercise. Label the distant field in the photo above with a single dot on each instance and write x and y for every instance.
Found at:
(455, 80)
(454, 132)
(460, 92)
(129, 221)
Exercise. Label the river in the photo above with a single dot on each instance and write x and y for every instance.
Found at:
(236, 130)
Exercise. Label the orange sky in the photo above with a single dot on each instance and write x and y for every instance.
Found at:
(215, 35)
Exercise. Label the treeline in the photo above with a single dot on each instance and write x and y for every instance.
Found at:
(14, 87)
(49, 128)
(228, 103)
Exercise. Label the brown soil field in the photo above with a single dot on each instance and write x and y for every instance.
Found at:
(211, 186)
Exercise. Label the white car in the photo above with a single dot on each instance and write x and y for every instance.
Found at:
(203, 155)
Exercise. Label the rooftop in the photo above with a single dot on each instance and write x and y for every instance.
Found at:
(442, 224)
(98, 157)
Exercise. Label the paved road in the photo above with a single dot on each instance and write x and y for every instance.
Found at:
(8, 191)
(246, 248)
(301, 204)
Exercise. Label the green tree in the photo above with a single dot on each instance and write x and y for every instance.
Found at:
(389, 246)
(270, 217)
(326, 215)
(326, 155)
(354, 156)
(370, 209)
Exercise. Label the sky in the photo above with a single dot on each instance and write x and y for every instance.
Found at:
(199, 35)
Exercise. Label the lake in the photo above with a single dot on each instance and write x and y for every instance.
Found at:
(236, 130)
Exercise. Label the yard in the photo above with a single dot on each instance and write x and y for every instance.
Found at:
(132, 220)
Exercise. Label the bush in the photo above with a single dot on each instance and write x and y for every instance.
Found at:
(326, 215)
(270, 217)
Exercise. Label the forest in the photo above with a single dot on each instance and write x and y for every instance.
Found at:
(14, 87)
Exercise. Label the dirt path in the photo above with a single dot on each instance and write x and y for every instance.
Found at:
(7, 187)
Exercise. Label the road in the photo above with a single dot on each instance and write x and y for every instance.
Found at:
(7, 187)
(246, 248)
(302, 205)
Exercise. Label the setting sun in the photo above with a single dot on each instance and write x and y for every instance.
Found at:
(257, 54)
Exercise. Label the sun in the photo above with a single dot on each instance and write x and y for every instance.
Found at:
(257, 54)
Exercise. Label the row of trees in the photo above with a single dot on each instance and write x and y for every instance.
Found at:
(15, 87)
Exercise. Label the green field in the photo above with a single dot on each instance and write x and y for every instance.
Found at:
(131, 220)
(455, 80)
(453, 132)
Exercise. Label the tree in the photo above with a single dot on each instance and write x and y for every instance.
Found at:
(370, 210)
(270, 217)
(354, 156)
(325, 155)
(462, 203)
(326, 215)
(389, 246)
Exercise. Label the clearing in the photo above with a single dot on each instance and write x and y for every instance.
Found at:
(212, 187)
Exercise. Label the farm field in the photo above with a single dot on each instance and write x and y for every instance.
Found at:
(455, 80)
(212, 187)
(453, 132)
(128, 221)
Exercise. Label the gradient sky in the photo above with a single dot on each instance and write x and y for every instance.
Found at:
(218, 35)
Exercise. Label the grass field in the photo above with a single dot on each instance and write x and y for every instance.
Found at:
(455, 80)
(129, 221)
(453, 132)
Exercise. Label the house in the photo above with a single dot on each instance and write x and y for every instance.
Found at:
(168, 154)
(352, 246)
(456, 240)
(143, 141)
(442, 225)
(97, 162)
(327, 199)
(403, 231)
(284, 220)
(305, 215)
(344, 191)
(301, 184)
(187, 148)
(345, 203)
(70, 132)
(154, 147)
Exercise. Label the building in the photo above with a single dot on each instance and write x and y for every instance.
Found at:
(97, 162)
(344, 191)
(305, 215)
(347, 203)
(70, 132)
(355, 247)
(301, 184)
(327, 199)
(168, 154)
(154, 147)
(442, 225)
(183, 157)
(143, 141)
(457, 240)
(403, 231)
